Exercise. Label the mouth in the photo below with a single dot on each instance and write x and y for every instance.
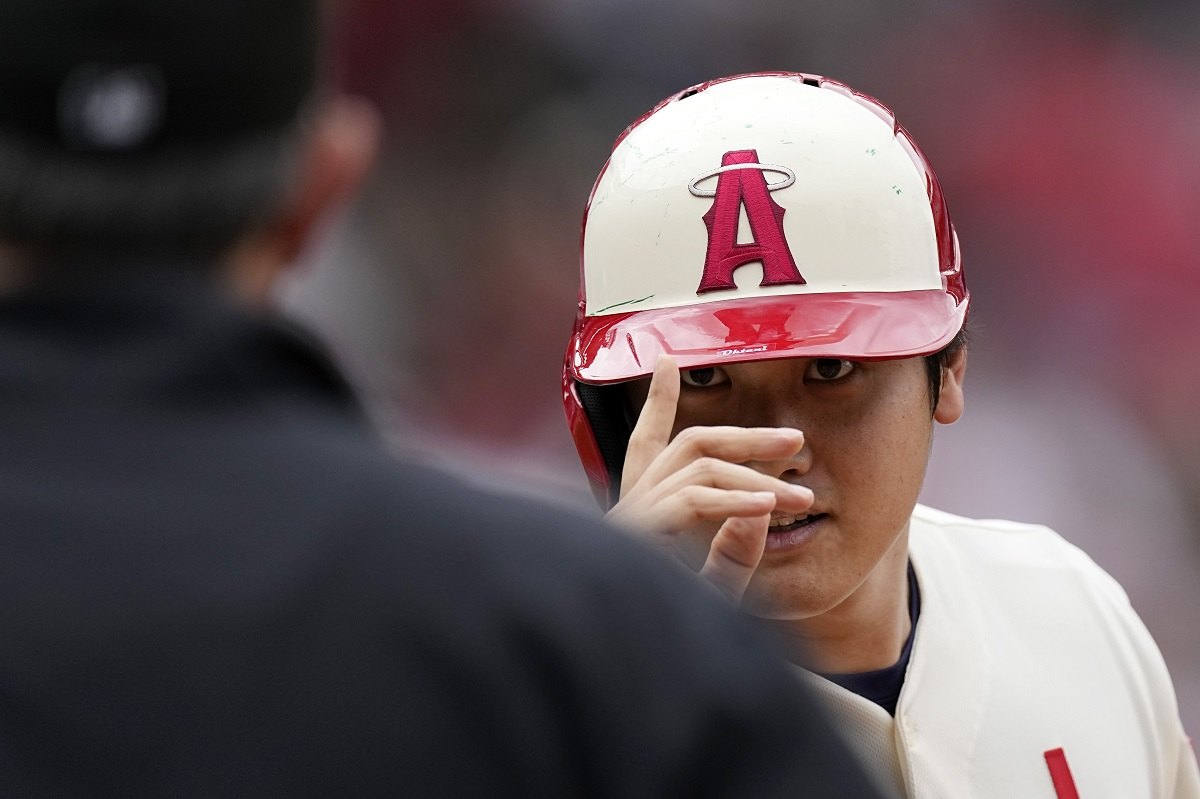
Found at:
(786, 522)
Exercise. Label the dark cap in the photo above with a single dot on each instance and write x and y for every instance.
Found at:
(132, 76)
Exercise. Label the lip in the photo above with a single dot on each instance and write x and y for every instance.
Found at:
(795, 535)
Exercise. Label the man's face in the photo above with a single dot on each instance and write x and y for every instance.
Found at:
(868, 432)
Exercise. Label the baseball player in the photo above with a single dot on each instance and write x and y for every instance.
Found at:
(771, 320)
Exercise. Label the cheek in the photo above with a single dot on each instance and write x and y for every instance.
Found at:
(878, 449)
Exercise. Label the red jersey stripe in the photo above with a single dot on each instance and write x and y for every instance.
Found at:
(1060, 774)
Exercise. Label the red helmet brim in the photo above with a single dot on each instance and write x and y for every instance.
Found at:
(854, 325)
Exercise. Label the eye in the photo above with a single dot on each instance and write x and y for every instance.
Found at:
(824, 370)
(702, 378)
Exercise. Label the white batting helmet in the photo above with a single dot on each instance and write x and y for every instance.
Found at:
(756, 216)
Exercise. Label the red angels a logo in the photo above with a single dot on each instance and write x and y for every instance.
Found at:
(741, 182)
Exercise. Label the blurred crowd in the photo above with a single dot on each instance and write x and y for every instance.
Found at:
(1064, 135)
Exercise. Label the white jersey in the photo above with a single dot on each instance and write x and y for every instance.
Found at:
(1030, 673)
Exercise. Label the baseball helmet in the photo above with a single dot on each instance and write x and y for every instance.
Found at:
(757, 216)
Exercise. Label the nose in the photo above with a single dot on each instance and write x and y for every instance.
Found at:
(775, 404)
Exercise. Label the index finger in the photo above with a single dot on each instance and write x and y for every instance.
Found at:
(652, 432)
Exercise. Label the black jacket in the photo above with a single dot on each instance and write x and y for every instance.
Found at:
(215, 582)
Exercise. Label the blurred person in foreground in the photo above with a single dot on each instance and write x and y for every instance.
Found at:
(215, 580)
(771, 320)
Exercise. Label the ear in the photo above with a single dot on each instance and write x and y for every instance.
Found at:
(336, 154)
(950, 401)
(336, 157)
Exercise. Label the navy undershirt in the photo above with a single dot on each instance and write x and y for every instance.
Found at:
(883, 685)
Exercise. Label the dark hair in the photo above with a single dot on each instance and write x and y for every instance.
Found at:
(936, 364)
(187, 201)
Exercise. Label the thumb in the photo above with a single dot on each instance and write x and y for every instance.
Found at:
(735, 553)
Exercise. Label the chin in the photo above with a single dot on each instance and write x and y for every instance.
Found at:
(766, 602)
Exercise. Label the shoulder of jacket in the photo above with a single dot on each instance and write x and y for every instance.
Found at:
(1001, 545)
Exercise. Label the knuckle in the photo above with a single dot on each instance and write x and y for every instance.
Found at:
(691, 496)
(707, 468)
(734, 557)
(690, 437)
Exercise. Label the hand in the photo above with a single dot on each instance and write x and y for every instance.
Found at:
(674, 489)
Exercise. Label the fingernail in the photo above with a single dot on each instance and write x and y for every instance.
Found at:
(800, 492)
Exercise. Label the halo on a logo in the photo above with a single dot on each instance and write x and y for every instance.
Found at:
(789, 177)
